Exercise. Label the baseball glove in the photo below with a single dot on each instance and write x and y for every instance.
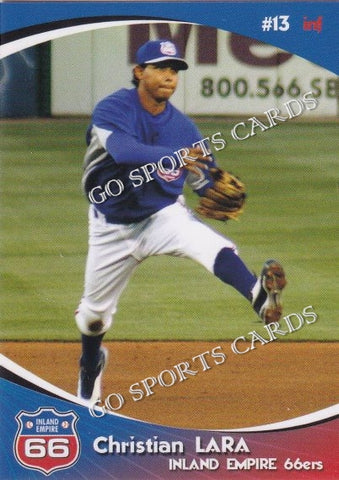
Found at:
(225, 199)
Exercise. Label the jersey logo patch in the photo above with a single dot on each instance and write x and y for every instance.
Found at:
(167, 48)
(171, 176)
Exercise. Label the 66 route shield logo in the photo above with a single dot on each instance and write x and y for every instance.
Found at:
(47, 440)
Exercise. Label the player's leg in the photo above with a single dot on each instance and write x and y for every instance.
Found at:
(181, 233)
(108, 269)
(176, 231)
(93, 320)
(264, 293)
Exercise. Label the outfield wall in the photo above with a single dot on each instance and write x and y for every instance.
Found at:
(229, 74)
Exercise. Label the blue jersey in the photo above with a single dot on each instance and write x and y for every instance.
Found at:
(131, 169)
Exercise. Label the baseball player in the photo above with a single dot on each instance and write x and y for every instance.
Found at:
(141, 151)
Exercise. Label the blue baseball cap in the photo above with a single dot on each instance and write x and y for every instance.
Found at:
(156, 51)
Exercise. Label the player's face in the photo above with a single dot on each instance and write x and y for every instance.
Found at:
(158, 81)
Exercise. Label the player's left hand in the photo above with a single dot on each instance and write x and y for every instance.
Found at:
(225, 199)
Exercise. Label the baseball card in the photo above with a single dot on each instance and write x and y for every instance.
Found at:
(169, 180)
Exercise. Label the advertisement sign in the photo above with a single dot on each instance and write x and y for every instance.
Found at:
(229, 74)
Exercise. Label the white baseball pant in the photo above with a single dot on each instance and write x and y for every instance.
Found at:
(115, 250)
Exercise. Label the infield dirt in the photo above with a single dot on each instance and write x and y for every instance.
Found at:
(272, 383)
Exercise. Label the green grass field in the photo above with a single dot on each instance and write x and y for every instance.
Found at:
(291, 214)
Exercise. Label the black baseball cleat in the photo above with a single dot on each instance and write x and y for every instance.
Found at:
(267, 290)
(89, 384)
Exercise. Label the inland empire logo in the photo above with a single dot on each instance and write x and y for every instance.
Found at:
(47, 440)
(171, 175)
(167, 48)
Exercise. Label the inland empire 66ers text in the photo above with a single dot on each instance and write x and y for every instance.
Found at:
(234, 448)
